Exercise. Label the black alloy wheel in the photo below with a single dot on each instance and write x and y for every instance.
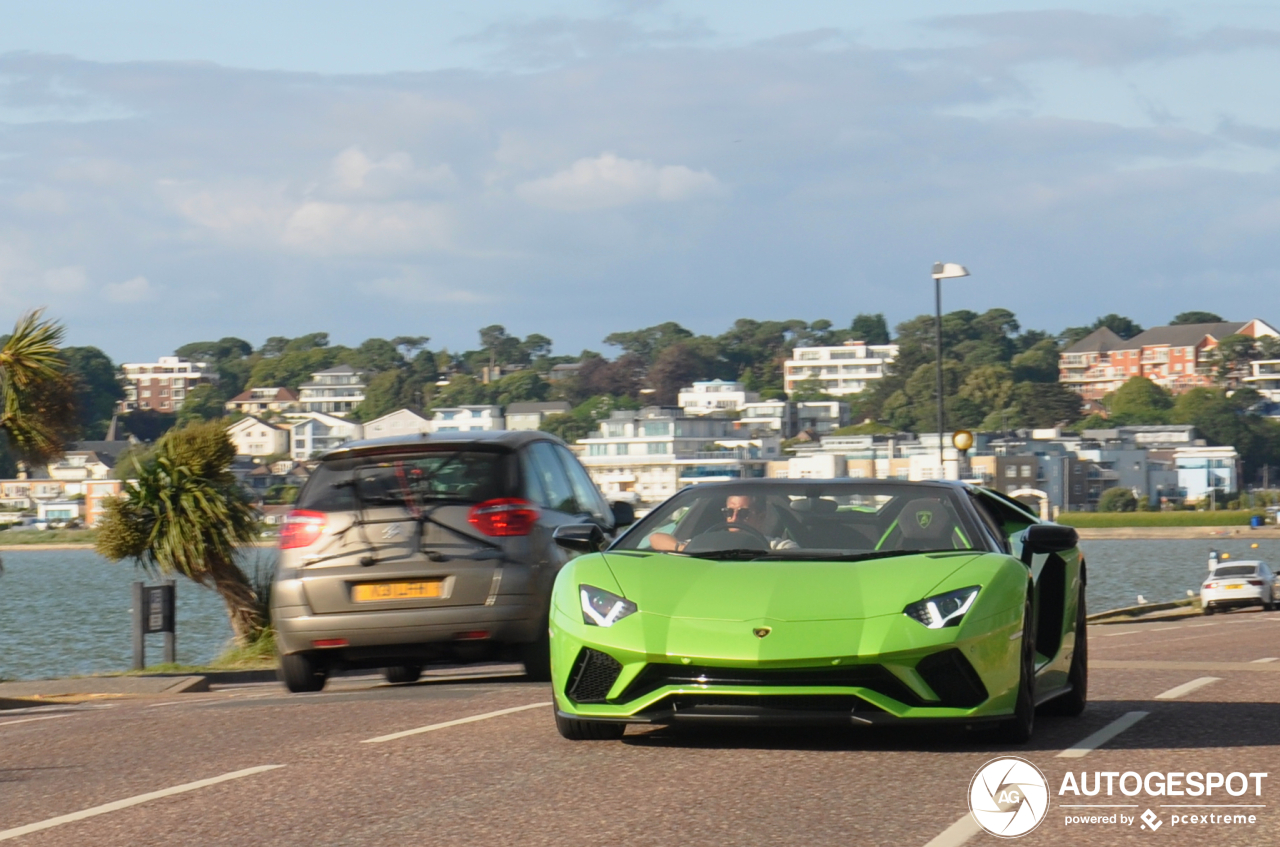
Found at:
(1018, 729)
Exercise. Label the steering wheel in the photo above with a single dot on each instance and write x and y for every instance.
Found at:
(753, 538)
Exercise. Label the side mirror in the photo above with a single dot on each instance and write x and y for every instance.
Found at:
(624, 514)
(579, 537)
(1049, 538)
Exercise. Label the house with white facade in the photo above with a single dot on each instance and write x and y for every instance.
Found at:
(714, 395)
(335, 391)
(402, 422)
(317, 433)
(647, 455)
(531, 415)
(467, 419)
(253, 437)
(850, 368)
(257, 401)
(87, 460)
(1205, 469)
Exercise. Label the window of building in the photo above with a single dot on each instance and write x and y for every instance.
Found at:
(1026, 471)
(1011, 472)
(810, 355)
(656, 428)
(659, 447)
(598, 450)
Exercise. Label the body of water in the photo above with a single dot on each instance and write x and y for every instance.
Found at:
(66, 612)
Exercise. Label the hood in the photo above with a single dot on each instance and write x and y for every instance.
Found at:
(687, 587)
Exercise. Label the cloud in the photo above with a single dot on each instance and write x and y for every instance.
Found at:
(134, 290)
(355, 173)
(607, 181)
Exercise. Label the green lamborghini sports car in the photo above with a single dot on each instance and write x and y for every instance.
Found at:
(853, 602)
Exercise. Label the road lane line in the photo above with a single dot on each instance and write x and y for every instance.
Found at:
(1093, 742)
(393, 736)
(965, 828)
(29, 720)
(1187, 687)
(956, 834)
(1264, 661)
(130, 801)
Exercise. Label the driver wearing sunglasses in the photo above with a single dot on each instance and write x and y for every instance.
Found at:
(740, 509)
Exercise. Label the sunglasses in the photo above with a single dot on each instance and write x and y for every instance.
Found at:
(741, 511)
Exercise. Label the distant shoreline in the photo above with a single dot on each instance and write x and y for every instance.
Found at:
(13, 548)
(1217, 533)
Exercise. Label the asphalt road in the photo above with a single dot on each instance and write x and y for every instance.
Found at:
(253, 765)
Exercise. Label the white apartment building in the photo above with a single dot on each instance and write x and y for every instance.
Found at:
(1204, 469)
(647, 456)
(253, 437)
(1265, 377)
(402, 422)
(162, 386)
(318, 433)
(335, 391)
(715, 395)
(256, 401)
(467, 419)
(531, 415)
(848, 369)
(777, 415)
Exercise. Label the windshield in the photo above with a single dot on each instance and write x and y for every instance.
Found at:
(1234, 570)
(406, 479)
(809, 520)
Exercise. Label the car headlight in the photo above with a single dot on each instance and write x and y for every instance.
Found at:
(603, 608)
(943, 610)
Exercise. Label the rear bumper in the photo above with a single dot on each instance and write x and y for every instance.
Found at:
(511, 619)
(1218, 598)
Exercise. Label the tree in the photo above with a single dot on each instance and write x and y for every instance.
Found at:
(649, 342)
(381, 396)
(676, 367)
(870, 328)
(1233, 354)
(185, 514)
(1117, 499)
(37, 411)
(148, 424)
(568, 427)
(1196, 318)
(202, 403)
(1119, 324)
(97, 391)
(1139, 401)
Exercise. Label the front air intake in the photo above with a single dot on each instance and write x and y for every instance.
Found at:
(953, 679)
(593, 674)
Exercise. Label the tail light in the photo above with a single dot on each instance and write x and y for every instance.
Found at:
(1256, 582)
(1211, 585)
(504, 517)
(301, 529)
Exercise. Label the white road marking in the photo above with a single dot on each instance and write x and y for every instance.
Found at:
(1119, 634)
(1213, 806)
(1187, 687)
(965, 828)
(1264, 661)
(1093, 742)
(29, 720)
(393, 736)
(182, 702)
(1164, 629)
(130, 801)
(956, 834)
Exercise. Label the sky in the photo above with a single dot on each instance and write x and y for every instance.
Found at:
(173, 173)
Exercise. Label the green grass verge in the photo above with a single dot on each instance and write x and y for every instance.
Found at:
(1125, 519)
(260, 655)
(48, 536)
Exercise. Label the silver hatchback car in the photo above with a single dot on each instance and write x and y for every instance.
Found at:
(405, 551)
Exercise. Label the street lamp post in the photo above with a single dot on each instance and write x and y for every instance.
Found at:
(941, 271)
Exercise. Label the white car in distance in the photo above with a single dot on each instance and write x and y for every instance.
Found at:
(1238, 583)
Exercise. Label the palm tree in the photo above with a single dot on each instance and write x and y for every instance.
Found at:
(37, 410)
(185, 514)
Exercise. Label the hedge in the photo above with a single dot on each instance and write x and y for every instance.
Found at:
(1118, 519)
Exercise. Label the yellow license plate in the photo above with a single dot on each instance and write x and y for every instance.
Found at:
(1237, 585)
(372, 592)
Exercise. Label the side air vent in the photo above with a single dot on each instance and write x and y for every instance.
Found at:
(592, 676)
(953, 679)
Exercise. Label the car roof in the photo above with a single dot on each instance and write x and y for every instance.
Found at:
(1228, 563)
(841, 482)
(511, 439)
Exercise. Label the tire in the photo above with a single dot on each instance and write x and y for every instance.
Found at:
(1018, 729)
(1208, 610)
(400, 674)
(301, 672)
(1074, 701)
(536, 656)
(580, 730)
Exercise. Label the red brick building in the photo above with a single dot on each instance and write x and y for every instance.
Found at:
(1175, 357)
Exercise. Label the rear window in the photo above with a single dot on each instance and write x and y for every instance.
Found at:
(419, 477)
(1235, 570)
